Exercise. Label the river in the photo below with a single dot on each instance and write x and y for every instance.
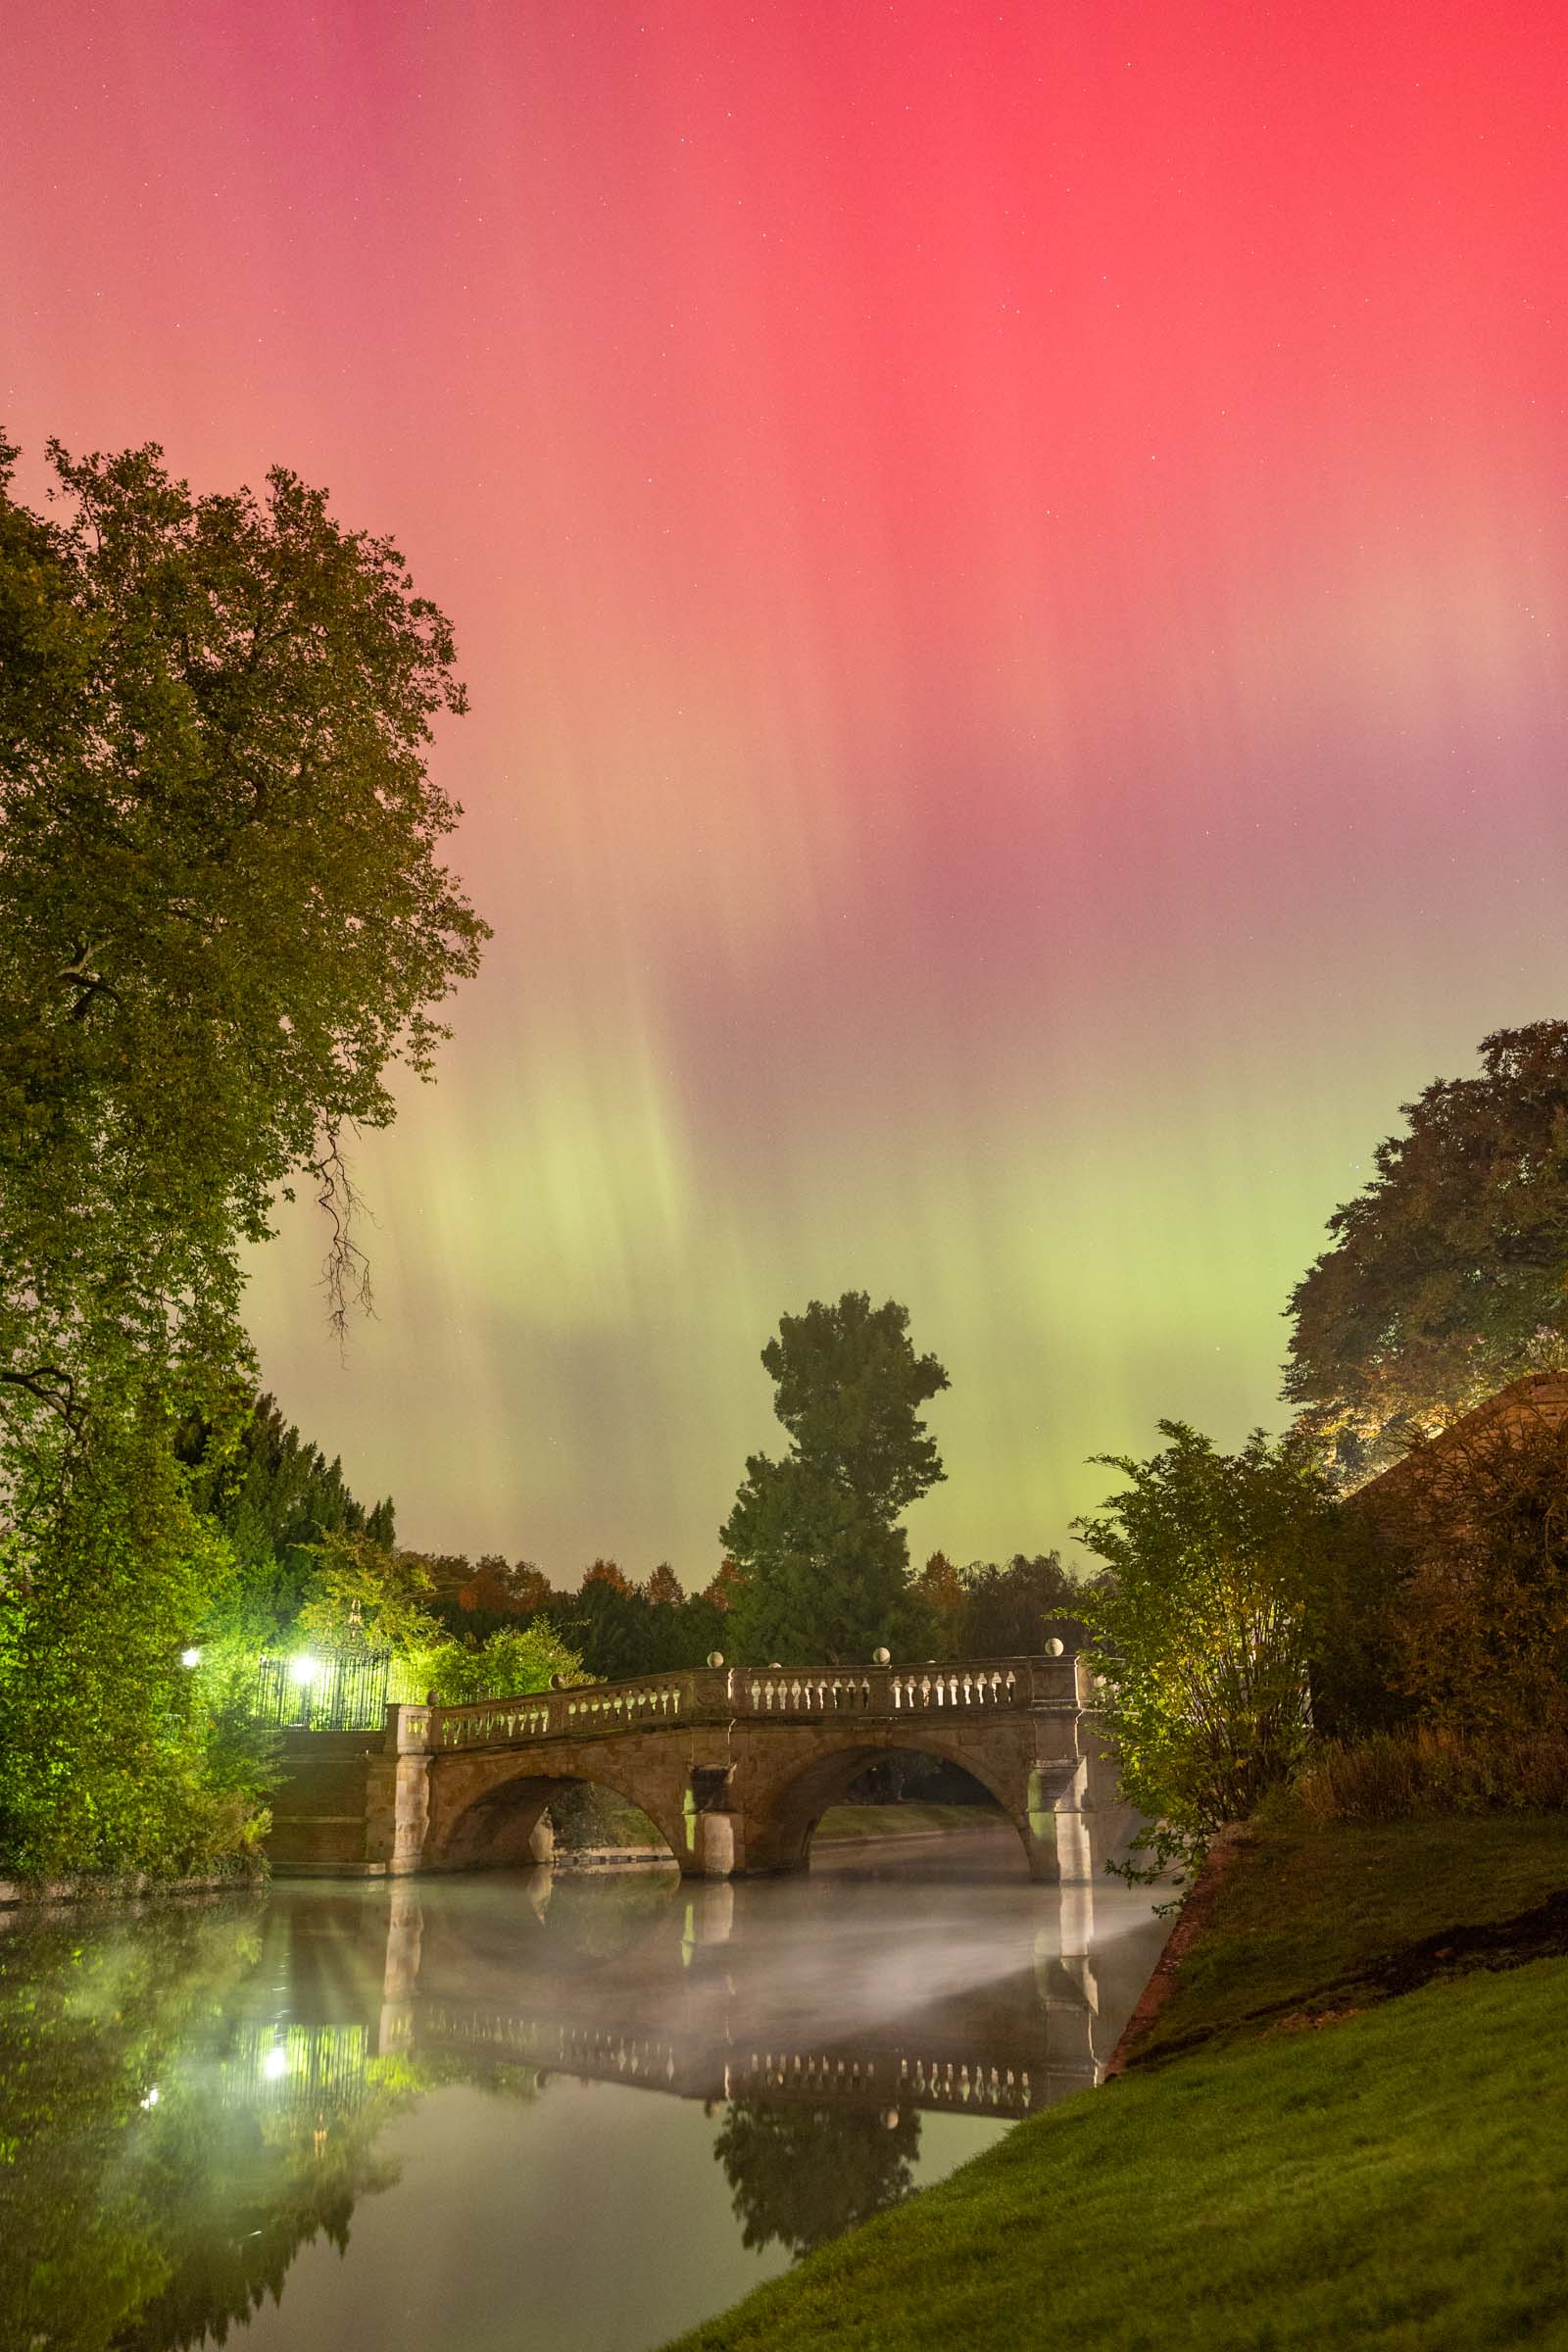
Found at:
(534, 2110)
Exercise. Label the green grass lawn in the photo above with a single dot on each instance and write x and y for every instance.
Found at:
(1395, 2178)
(893, 1821)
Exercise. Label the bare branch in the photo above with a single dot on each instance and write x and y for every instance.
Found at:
(346, 1270)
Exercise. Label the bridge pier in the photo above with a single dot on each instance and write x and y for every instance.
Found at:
(1075, 1816)
(719, 1838)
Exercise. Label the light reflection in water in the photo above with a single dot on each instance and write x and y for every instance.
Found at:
(200, 2100)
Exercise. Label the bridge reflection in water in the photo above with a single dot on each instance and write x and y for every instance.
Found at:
(1041, 2043)
(718, 1995)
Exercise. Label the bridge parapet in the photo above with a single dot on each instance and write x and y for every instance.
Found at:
(725, 1696)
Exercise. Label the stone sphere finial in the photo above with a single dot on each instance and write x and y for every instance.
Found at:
(881, 1657)
(715, 1657)
(1054, 1646)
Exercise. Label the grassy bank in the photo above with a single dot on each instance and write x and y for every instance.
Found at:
(1349, 2126)
(897, 1820)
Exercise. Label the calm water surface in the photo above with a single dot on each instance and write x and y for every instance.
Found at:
(522, 2112)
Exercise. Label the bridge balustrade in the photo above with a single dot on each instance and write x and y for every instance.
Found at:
(725, 1695)
(703, 2067)
(898, 1692)
(590, 1709)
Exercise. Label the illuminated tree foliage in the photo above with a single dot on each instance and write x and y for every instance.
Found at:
(1204, 1631)
(276, 1499)
(116, 1756)
(364, 1594)
(824, 1562)
(1448, 1274)
(222, 918)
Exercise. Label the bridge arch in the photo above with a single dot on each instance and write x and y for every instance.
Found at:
(788, 1810)
(495, 1824)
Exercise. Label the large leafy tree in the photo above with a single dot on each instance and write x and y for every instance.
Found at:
(1206, 1627)
(823, 1560)
(223, 913)
(1448, 1273)
(222, 919)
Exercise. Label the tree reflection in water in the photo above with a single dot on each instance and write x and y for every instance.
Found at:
(801, 2174)
(163, 2159)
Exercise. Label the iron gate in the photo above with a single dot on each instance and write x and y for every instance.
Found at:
(342, 1692)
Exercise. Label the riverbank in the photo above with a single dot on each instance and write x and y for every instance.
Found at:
(25, 1896)
(1346, 2125)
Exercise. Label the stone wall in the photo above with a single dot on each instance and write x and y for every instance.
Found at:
(320, 1809)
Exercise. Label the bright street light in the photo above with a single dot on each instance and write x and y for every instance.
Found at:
(190, 1658)
(305, 1670)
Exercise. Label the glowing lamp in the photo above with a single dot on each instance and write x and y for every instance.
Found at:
(305, 1670)
(275, 2064)
(190, 1658)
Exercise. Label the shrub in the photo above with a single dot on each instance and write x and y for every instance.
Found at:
(1201, 1635)
(517, 1659)
(1480, 1636)
(1434, 1768)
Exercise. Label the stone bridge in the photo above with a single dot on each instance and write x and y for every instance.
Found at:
(734, 1766)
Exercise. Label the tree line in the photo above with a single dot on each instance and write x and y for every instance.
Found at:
(311, 1557)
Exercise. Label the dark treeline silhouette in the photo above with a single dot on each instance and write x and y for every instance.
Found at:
(987, 1610)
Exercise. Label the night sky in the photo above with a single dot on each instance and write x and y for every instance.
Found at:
(1011, 565)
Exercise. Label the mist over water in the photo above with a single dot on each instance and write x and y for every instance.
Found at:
(571, 2111)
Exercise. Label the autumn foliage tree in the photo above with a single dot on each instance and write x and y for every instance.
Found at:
(720, 1594)
(939, 1590)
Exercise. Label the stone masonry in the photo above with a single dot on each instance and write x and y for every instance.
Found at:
(735, 1767)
